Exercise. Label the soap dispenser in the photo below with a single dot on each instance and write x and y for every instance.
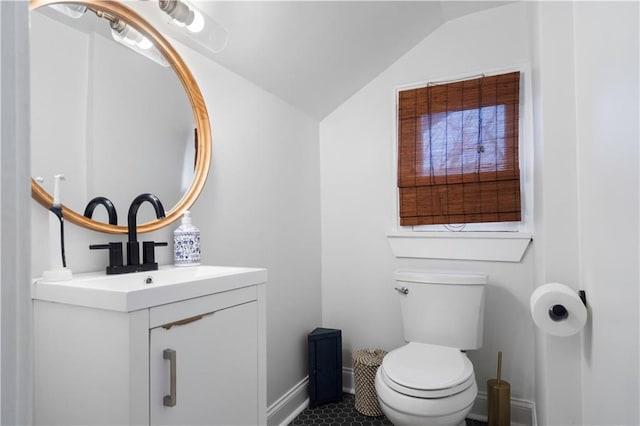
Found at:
(186, 243)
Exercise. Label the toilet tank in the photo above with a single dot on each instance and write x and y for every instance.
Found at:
(442, 307)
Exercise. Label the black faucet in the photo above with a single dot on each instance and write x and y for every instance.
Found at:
(133, 248)
(111, 209)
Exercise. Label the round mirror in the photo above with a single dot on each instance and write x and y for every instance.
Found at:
(90, 121)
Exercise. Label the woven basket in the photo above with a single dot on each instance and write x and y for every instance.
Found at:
(365, 366)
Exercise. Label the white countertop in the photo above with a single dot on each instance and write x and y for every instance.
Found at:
(130, 292)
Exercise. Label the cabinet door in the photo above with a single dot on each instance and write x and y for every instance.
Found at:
(216, 369)
(325, 368)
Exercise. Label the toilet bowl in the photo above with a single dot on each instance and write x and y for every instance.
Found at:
(430, 380)
(422, 384)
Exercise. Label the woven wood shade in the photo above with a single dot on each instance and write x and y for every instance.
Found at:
(458, 152)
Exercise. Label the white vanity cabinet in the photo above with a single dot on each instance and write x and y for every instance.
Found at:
(216, 364)
(113, 365)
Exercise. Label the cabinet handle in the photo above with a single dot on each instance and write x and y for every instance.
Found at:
(170, 400)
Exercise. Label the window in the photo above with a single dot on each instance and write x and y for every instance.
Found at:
(458, 159)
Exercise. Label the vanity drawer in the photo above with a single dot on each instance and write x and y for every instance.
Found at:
(187, 309)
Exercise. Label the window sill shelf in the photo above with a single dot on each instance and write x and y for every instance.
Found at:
(487, 246)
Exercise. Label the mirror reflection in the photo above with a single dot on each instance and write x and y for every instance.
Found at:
(113, 122)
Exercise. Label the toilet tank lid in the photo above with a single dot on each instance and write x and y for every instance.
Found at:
(441, 277)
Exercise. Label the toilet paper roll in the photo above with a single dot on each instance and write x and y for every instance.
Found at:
(558, 310)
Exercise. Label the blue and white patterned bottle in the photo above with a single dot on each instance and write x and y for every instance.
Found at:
(186, 243)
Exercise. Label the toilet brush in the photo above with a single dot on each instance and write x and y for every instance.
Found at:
(499, 399)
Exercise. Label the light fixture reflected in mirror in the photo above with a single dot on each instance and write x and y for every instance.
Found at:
(202, 29)
(120, 31)
(130, 37)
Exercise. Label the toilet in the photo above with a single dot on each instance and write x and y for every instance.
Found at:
(430, 380)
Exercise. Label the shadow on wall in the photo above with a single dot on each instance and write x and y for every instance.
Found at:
(504, 311)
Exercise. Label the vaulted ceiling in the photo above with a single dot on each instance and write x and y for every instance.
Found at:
(316, 54)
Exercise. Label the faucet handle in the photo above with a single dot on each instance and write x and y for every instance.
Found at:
(115, 255)
(148, 251)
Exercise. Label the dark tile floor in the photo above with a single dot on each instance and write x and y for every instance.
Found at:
(344, 413)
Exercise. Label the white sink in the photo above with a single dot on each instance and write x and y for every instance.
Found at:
(140, 290)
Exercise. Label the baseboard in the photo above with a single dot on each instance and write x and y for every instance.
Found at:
(288, 406)
(348, 384)
(523, 412)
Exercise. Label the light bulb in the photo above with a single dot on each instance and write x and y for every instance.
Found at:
(130, 37)
(197, 24)
(145, 43)
(74, 11)
(127, 35)
(207, 32)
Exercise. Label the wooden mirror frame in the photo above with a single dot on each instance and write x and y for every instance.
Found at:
(203, 149)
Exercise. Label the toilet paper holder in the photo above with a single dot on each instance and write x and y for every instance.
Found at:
(583, 296)
(559, 312)
(558, 309)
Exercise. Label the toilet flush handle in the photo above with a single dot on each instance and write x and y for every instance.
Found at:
(402, 290)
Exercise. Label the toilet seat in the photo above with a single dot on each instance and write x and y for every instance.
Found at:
(427, 371)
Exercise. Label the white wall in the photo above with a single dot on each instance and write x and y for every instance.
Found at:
(358, 192)
(558, 372)
(607, 110)
(584, 62)
(59, 95)
(587, 102)
(260, 208)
